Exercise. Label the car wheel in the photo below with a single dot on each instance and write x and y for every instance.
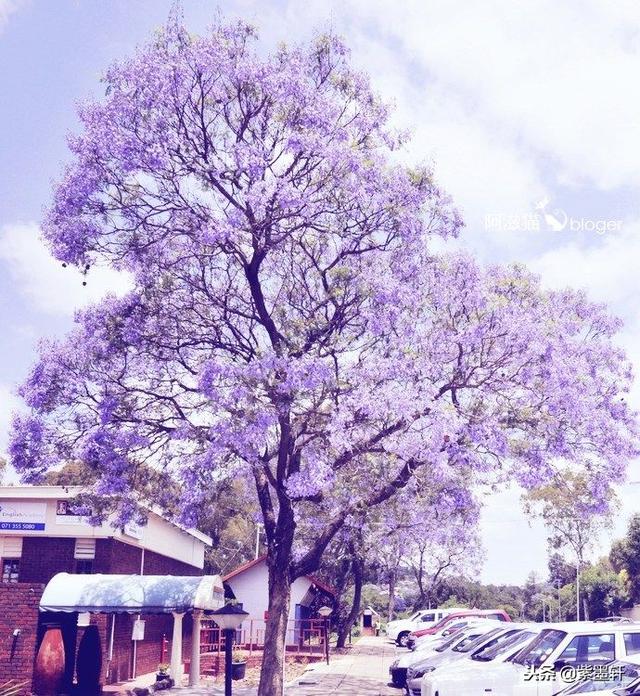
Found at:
(403, 639)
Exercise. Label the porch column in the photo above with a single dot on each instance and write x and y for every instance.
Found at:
(194, 672)
(176, 648)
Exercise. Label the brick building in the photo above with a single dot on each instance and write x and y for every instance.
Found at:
(42, 533)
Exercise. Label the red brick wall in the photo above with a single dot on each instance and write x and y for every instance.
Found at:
(18, 609)
(43, 557)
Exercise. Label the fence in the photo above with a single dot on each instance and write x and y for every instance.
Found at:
(304, 637)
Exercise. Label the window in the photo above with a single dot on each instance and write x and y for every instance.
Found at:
(632, 643)
(496, 617)
(428, 617)
(597, 648)
(10, 569)
(539, 650)
(629, 674)
(468, 642)
(490, 652)
(84, 566)
(85, 549)
(447, 643)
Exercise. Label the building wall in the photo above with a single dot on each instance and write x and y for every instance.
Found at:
(18, 609)
(158, 535)
(42, 558)
(251, 587)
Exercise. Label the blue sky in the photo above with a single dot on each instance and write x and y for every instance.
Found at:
(527, 109)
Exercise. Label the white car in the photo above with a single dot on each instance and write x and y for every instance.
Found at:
(480, 639)
(468, 678)
(448, 631)
(400, 629)
(436, 644)
(618, 679)
(548, 663)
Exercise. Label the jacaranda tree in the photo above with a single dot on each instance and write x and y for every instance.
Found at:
(288, 320)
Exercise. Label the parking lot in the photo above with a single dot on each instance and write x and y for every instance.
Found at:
(363, 671)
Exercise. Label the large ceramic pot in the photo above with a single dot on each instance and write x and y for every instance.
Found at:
(48, 673)
(89, 661)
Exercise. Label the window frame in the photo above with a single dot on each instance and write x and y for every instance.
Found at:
(10, 579)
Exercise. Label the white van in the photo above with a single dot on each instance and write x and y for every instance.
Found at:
(400, 629)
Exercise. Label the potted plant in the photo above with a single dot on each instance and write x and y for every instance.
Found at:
(163, 671)
(238, 664)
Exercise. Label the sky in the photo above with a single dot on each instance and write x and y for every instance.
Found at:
(529, 112)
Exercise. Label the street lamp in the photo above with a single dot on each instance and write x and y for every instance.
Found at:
(325, 613)
(229, 617)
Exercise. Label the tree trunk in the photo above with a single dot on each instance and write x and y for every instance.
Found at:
(392, 593)
(345, 627)
(275, 635)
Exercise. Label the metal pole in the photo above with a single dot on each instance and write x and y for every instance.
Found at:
(578, 590)
(259, 525)
(228, 643)
(326, 638)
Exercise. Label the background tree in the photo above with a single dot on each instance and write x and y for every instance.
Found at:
(572, 518)
(344, 567)
(288, 321)
(603, 590)
(625, 556)
(561, 572)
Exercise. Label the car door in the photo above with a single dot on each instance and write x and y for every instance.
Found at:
(588, 649)
(630, 645)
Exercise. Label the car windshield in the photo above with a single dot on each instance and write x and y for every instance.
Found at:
(448, 643)
(613, 675)
(534, 654)
(501, 647)
(415, 617)
(475, 641)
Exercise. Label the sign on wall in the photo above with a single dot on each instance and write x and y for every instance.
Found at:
(23, 516)
(138, 630)
(133, 530)
(68, 512)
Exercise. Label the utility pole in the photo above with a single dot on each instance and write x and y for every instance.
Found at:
(578, 590)
(259, 528)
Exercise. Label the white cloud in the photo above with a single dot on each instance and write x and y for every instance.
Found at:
(9, 403)
(510, 100)
(50, 287)
(7, 8)
(608, 270)
(555, 77)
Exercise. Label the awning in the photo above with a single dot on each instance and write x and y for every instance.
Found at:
(148, 594)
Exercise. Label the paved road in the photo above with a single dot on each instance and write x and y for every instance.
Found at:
(364, 671)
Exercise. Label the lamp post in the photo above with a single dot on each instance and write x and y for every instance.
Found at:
(229, 617)
(325, 613)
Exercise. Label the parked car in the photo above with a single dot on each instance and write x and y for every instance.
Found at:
(434, 645)
(559, 645)
(493, 635)
(624, 680)
(495, 614)
(467, 678)
(400, 629)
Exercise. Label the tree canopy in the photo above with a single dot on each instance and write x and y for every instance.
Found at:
(289, 322)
